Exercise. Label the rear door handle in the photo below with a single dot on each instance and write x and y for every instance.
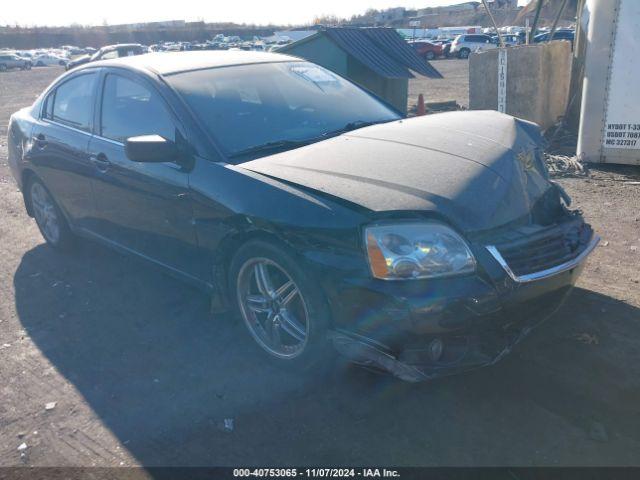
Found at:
(40, 141)
(100, 161)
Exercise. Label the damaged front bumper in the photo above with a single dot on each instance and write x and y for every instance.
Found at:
(433, 356)
(456, 325)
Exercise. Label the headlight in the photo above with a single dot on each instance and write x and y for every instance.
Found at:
(416, 250)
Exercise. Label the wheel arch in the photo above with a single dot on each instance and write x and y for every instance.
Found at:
(226, 251)
(26, 178)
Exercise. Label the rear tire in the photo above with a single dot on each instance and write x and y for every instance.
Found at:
(282, 307)
(430, 55)
(3, 67)
(51, 222)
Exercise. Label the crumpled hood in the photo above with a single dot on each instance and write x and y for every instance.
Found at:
(479, 169)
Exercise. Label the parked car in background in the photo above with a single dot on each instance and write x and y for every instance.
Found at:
(446, 46)
(107, 53)
(423, 246)
(509, 39)
(72, 50)
(557, 35)
(426, 49)
(49, 59)
(11, 60)
(463, 45)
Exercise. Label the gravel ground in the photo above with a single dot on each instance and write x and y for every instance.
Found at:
(141, 374)
(454, 85)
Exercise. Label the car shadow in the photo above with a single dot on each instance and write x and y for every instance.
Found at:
(162, 374)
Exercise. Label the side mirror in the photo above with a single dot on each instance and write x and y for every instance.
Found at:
(150, 149)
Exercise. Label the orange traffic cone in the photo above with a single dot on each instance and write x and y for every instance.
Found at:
(421, 110)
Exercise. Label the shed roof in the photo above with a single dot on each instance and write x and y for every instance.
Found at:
(380, 49)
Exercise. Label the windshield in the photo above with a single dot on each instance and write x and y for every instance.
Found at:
(280, 105)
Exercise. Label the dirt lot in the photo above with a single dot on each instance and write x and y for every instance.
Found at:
(142, 374)
(454, 85)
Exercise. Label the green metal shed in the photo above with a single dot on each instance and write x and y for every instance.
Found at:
(377, 59)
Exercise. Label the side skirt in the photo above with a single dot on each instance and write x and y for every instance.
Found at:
(174, 272)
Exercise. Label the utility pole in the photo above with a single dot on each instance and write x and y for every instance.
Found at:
(495, 25)
(536, 18)
(556, 20)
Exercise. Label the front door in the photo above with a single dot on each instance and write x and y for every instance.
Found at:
(144, 207)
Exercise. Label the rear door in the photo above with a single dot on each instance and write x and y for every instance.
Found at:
(472, 42)
(144, 207)
(59, 142)
(481, 42)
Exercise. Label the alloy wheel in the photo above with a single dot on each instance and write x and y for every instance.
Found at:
(45, 213)
(273, 308)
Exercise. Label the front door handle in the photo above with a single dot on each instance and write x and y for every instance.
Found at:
(100, 161)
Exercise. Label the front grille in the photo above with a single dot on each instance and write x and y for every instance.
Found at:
(545, 249)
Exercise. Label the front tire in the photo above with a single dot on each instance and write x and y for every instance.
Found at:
(464, 53)
(50, 220)
(430, 55)
(281, 305)
(3, 67)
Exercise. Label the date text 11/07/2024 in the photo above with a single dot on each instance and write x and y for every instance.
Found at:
(316, 472)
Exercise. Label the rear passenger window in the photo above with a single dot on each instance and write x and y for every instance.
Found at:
(130, 109)
(48, 107)
(72, 102)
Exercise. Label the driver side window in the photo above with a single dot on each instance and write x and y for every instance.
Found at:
(131, 109)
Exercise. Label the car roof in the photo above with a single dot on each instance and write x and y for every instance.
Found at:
(116, 45)
(121, 45)
(166, 63)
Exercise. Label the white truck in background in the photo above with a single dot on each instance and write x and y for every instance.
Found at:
(610, 113)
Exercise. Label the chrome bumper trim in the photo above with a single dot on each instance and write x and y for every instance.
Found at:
(550, 272)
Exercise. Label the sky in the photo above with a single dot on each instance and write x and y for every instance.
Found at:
(113, 12)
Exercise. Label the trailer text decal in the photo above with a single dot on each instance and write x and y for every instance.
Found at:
(622, 135)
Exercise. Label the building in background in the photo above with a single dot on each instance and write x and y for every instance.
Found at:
(377, 59)
(448, 9)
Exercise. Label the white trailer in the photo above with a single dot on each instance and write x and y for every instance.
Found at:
(610, 112)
